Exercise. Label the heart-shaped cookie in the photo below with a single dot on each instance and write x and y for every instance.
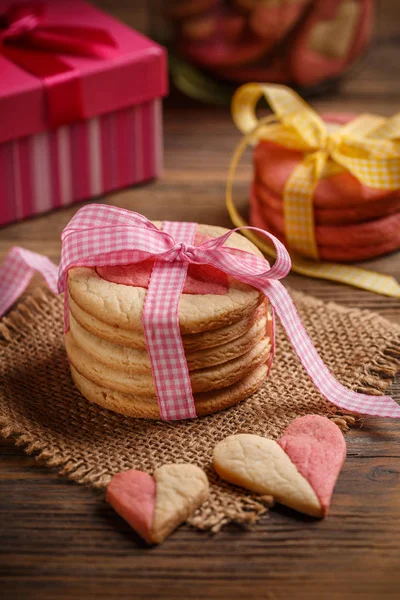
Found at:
(299, 471)
(155, 505)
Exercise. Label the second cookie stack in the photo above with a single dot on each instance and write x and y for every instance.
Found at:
(352, 221)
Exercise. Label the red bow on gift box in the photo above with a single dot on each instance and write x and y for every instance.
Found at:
(32, 44)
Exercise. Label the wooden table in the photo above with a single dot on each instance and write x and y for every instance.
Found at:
(60, 541)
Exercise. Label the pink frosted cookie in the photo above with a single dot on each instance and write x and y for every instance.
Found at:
(368, 233)
(273, 165)
(331, 38)
(299, 471)
(116, 298)
(155, 506)
(353, 221)
(345, 253)
(201, 279)
(333, 216)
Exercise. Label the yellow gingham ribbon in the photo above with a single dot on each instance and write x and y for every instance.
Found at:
(367, 147)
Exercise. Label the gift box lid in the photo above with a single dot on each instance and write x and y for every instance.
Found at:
(134, 72)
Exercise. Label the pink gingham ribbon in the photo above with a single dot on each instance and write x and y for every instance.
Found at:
(101, 235)
(161, 328)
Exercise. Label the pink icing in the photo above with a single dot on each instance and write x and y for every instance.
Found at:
(132, 494)
(316, 446)
(201, 279)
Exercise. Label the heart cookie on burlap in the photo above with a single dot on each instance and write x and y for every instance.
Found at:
(155, 506)
(299, 471)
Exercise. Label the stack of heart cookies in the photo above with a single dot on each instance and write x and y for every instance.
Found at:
(224, 323)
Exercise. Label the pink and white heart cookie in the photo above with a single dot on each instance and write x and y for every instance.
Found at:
(299, 470)
(155, 505)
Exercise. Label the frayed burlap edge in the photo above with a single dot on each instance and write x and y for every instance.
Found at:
(373, 379)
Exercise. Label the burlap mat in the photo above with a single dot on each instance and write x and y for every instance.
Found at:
(42, 410)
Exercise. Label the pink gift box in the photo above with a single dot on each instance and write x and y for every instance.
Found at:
(115, 142)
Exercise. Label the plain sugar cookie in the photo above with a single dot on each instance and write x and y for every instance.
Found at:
(138, 361)
(191, 342)
(147, 408)
(202, 380)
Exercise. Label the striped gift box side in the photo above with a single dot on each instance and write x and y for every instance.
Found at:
(85, 160)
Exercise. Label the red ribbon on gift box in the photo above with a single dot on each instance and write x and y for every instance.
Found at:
(30, 43)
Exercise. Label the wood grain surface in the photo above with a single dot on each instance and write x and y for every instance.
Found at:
(60, 541)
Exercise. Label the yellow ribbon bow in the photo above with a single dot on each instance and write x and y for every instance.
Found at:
(367, 147)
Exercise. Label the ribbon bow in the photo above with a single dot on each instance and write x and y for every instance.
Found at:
(100, 235)
(367, 147)
(27, 40)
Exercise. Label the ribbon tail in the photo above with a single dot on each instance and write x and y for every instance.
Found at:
(364, 279)
(371, 281)
(17, 271)
(335, 392)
